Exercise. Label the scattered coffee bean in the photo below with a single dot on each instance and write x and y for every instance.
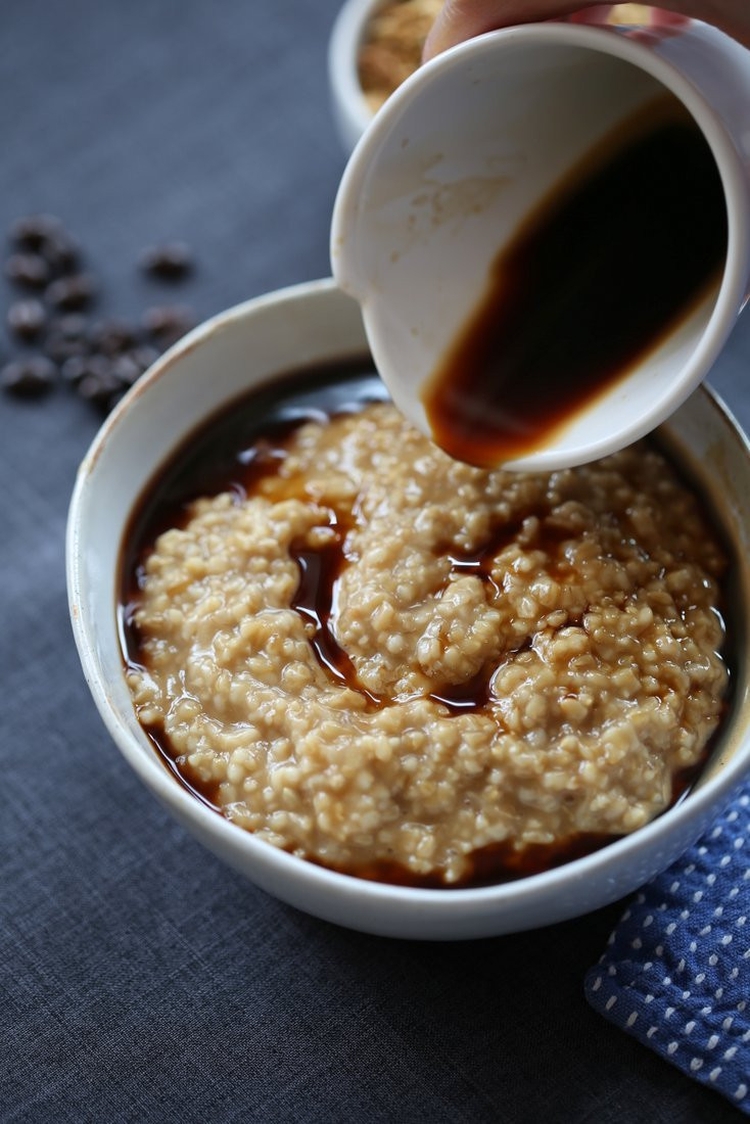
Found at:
(61, 253)
(126, 370)
(28, 378)
(99, 388)
(145, 356)
(113, 336)
(74, 368)
(32, 231)
(72, 326)
(30, 271)
(69, 294)
(26, 319)
(170, 262)
(167, 323)
(102, 360)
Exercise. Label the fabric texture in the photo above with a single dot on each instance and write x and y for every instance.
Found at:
(676, 971)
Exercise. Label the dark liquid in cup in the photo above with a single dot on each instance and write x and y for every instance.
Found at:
(610, 263)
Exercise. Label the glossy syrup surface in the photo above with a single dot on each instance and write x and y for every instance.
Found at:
(235, 452)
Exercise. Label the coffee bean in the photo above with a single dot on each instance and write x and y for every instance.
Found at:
(26, 319)
(62, 253)
(72, 326)
(113, 336)
(145, 356)
(75, 368)
(167, 323)
(30, 232)
(58, 349)
(99, 388)
(72, 293)
(28, 270)
(169, 262)
(28, 378)
(126, 370)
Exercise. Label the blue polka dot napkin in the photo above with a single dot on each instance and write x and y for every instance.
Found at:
(676, 971)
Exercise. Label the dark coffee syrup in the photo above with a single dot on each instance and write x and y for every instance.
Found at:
(233, 452)
(610, 263)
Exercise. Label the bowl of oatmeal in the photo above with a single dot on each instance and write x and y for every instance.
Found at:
(375, 45)
(404, 694)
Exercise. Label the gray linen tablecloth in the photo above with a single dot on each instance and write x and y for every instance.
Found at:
(140, 980)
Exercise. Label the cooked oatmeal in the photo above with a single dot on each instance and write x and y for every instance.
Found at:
(518, 659)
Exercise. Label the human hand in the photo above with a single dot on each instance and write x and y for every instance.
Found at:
(462, 19)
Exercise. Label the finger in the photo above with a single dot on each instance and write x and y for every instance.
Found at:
(463, 19)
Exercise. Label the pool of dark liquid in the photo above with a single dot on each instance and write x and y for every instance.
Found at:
(232, 452)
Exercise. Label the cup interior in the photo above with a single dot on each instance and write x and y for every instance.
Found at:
(451, 167)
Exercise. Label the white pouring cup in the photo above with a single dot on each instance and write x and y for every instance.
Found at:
(464, 150)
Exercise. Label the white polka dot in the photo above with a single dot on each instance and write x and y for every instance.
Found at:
(667, 981)
(671, 928)
(739, 842)
(648, 920)
(674, 887)
(631, 1018)
(705, 931)
(742, 1004)
(713, 960)
(693, 946)
(681, 966)
(732, 817)
(611, 970)
(740, 1092)
(684, 914)
(659, 950)
(672, 1047)
(649, 998)
(727, 1022)
(668, 1012)
(745, 1036)
(690, 1026)
(734, 891)
(700, 977)
(706, 1010)
(740, 921)
(596, 984)
(636, 943)
(725, 860)
(696, 1064)
(698, 896)
(651, 1031)
(715, 1072)
(726, 939)
(710, 879)
(744, 801)
(729, 1054)
(716, 832)
(626, 915)
(690, 868)
(719, 992)
(686, 995)
(610, 1003)
(713, 1042)
(734, 973)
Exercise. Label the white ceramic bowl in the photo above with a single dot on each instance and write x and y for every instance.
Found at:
(245, 348)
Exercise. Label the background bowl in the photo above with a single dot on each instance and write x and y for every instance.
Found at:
(246, 347)
(353, 108)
